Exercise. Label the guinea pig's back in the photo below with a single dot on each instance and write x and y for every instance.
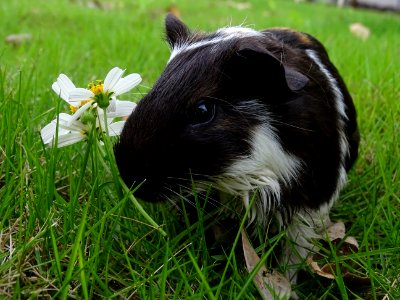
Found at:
(306, 48)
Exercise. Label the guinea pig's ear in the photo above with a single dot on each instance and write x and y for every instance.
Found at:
(265, 65)
(295, 80)
(176, 31)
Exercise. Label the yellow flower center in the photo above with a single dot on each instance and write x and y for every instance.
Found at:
(96, 87)
(75, 108)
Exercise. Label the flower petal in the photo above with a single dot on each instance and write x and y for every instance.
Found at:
(69, 139)
(62, 94)
(63, 86)
(118, 108)
(63, 120)
(100, 121)
(124, 108)
(79, 113)
(65, 83)
(111, 107)
(77, 95)
(115, 129)
(112, 78)
(109, 121)
(47, 133)
(126, 84)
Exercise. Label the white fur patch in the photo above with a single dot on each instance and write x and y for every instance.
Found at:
(306, 226)
(332, 82)
(238, 32)
(223, 34)
(340, 107)
(263, 171)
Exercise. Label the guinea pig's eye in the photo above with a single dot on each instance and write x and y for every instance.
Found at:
(202, 113)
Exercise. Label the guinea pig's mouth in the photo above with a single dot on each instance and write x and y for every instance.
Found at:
(150, 190)
(156, 189)
(152, 179)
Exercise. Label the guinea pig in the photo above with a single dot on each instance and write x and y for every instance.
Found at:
(246, 113)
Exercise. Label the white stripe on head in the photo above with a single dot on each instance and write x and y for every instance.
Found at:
(339, 99)
(340, 107)
(263, 171)
(223, 34)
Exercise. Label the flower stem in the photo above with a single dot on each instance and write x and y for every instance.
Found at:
(118, 180)
(110, 155)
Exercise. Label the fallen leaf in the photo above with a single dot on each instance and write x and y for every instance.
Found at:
(174, 10)
(317, 269)
(344, 246)
(336, 231)
(359, 30)
(18, 39)
(350, 240)
(270, 284)
(239, 5)
(102, 5)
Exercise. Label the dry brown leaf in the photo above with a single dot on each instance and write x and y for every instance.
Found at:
(239, 5)
(336, 234)
(336, 231)
(359, 30)
(328, 271)
(18, 39)
(174, 10)
(271, 285)
(102, 5)
(317, 269)
(350, 240)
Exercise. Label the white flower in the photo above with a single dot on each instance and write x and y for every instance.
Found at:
(69, 132)
(113, 86)
(63, 86)
(96, 101)
(103, 95)
(116, 109)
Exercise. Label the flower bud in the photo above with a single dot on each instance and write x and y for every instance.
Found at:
(87, 117)
(103, 100)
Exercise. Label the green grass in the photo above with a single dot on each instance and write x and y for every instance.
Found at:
(64, 231)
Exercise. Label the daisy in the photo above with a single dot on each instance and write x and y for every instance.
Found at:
(116, 109)
(73, 131)
(69, 132)
(113, 86)
(97, 91)
(93, 108)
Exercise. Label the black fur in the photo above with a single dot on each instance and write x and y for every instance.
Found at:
(250, 81)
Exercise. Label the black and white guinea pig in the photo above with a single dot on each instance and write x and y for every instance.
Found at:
(248, 113)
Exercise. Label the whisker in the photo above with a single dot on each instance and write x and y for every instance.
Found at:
(291, 125)
(174, 204)
(180, 196)
(220, 208)
(216, 203)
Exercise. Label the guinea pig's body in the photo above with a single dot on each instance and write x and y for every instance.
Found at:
(247, 113)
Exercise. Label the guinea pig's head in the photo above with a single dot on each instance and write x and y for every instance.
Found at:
(208, 112)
